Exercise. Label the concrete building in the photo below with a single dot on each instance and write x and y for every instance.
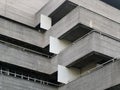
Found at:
(59, 45)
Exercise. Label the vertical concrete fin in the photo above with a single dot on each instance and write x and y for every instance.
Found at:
(45, 22)
(56, 45)
(66, 75)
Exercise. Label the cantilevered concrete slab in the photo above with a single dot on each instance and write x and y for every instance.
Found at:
(21, 11)
(116, 87)
(113, 3)
(94, 5)
(101, 79)
(57, 10)
(20, 32)
(79, 22)
(17, 56)
(26, 14)
(95, 46)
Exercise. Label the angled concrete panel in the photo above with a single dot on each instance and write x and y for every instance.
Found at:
(56, 45)
(67, 75)
(45, 22)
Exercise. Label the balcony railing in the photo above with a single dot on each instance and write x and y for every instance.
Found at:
(20, 76)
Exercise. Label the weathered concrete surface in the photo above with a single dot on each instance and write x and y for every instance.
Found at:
(20, 32)
(92, 42)
(10, 83)
(26, 16)
(51, 6)
(86, 17)
(21, 11)
(101, 79)
(78, 15)
(19, 57)
(94, 5)
(100, 8)
(15, 14)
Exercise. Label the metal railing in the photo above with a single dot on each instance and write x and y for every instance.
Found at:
(113, 60)
(20, 76)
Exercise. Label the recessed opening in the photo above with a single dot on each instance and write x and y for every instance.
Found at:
(61, 11)
(90, 61)
(76, 32)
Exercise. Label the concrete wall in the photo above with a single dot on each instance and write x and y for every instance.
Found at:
(101, 79)
(10, 83)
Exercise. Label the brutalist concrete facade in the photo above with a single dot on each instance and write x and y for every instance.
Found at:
(93, 30)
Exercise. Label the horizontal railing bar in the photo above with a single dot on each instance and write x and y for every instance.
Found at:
(5, 72)
(25, 49)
